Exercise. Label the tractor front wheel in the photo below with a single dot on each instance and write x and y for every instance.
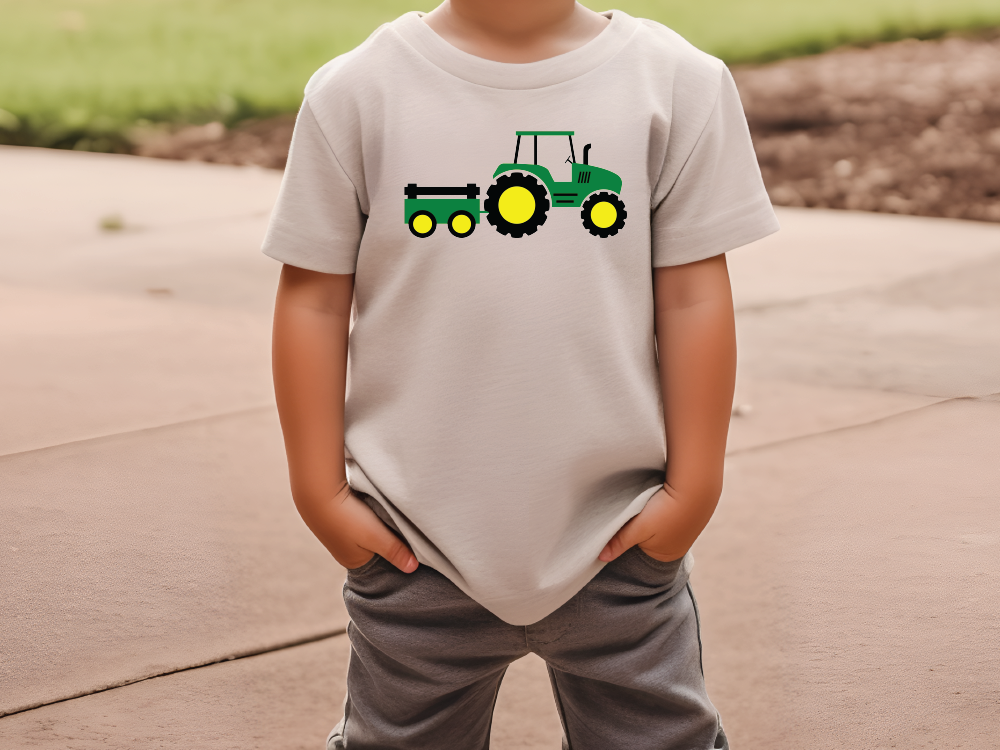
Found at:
(603, 214)
(516, 204)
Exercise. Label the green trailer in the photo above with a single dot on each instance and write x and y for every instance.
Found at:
(423, 215)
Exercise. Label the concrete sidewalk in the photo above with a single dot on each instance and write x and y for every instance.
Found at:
(159, 590)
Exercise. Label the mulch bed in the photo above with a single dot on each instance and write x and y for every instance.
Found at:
(260, 142)
(909, 127)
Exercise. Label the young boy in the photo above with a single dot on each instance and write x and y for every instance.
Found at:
(524, 208)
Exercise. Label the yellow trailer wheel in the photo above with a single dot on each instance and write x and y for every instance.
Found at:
(422, 224)
(461, 224)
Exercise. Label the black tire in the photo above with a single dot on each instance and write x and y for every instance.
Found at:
(521, 180)
(451, 224)
(415, 216)
(620, 214)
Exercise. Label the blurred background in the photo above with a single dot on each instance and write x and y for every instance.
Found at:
(909, 129)
(157, 588)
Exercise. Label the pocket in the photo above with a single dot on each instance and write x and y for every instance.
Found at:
(636, 574)
(647, 574)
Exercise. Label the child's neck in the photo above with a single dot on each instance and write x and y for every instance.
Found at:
(515, 31)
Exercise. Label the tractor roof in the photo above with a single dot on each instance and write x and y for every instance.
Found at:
(544, 132)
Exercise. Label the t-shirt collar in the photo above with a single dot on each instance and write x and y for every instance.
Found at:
(531, 75)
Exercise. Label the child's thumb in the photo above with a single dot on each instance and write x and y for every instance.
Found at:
(393, 549)
(619, 543)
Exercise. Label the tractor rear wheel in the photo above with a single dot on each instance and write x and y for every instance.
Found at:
(603, 214)
(516, 204)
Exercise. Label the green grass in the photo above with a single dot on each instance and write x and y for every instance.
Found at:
(80, 73)
(72, 69)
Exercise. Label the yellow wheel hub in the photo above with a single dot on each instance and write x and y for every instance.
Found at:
(516, 205)
(603, 214)
(461, 224)
(422, 224)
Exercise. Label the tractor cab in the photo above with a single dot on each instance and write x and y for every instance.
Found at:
(534, 134)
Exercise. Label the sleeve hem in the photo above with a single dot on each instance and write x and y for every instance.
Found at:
(741, 227)
(311, 258)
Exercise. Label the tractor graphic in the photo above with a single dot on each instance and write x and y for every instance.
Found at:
(518, 201)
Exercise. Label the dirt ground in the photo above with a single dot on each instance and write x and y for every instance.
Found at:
(910, 127)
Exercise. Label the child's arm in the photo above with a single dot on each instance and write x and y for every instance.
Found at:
(312, 316)
(696, 341)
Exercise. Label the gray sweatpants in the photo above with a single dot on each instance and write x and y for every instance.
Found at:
(623, 655)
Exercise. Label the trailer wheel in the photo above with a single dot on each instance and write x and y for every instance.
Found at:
(516, 204)
(603, 214)
(461, 224)
(423, 223)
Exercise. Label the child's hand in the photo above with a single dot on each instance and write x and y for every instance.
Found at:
(665, 529)
(353, 534)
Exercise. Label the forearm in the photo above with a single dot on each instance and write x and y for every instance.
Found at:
(697, 348)
(309, 360)
(696, 340)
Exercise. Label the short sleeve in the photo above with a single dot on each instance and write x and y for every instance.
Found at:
(317, 220)
(710, 197)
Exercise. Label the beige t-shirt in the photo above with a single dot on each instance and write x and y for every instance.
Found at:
(503, 403)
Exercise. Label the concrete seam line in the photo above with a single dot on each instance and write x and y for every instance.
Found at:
(232, 657)
(845, 428)
(151, 428)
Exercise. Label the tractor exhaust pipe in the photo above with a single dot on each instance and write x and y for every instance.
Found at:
(586, 153)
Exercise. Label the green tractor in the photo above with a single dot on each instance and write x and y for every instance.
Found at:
(518, 201)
